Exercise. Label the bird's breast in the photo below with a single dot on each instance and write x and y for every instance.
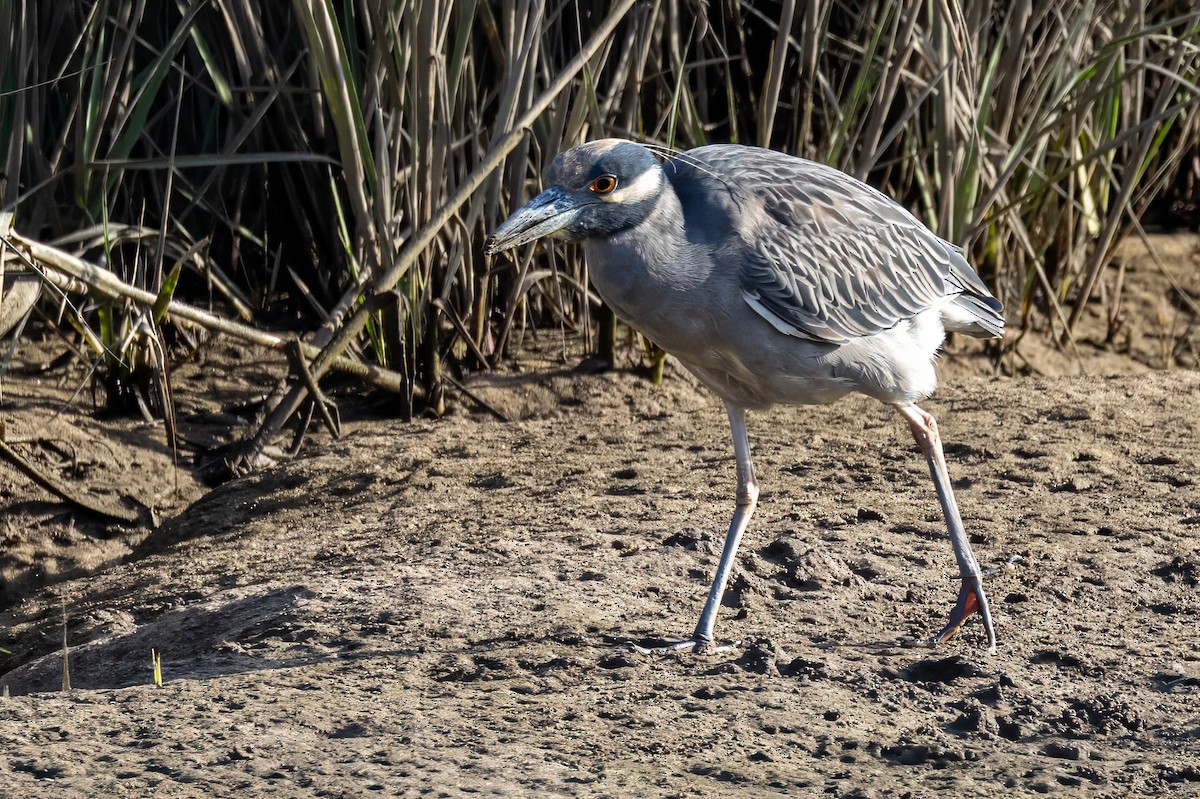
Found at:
(666, 293)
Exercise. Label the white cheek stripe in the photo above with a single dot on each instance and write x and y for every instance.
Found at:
(643, 186)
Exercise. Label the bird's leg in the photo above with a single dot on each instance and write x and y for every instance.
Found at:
(971, 598)
(747, 498)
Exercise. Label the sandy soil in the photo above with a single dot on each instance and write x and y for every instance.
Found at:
(447, 608)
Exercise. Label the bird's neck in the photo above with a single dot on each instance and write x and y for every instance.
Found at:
(648, 255)
(644, 267)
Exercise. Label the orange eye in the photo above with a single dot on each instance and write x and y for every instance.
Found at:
(603, 184)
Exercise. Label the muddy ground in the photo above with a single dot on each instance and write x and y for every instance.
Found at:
(447, 608)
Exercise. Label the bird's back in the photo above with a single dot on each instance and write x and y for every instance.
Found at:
(824, 256)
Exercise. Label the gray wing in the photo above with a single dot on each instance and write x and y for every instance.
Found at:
(826, 257)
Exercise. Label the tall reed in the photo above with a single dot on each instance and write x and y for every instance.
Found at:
(285, 153)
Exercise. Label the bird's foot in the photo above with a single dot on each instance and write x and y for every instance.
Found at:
(971, 599)
(697, 646)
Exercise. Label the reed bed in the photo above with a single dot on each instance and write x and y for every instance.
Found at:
(274, 160)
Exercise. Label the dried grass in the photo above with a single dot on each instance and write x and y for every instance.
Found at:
(292, 152)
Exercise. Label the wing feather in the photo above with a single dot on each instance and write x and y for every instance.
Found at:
(824, 256)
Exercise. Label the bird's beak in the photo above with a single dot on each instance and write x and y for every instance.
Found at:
(544, 215)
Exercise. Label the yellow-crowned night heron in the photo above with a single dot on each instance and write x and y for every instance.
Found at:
(774, 280)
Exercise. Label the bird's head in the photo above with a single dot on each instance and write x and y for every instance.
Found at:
(592, 191)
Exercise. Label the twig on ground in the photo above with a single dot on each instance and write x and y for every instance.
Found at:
(75, 275)
(59, 489)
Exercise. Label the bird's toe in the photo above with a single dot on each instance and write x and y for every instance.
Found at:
(696, 646)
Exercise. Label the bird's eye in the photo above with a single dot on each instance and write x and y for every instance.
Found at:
(603, 184)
